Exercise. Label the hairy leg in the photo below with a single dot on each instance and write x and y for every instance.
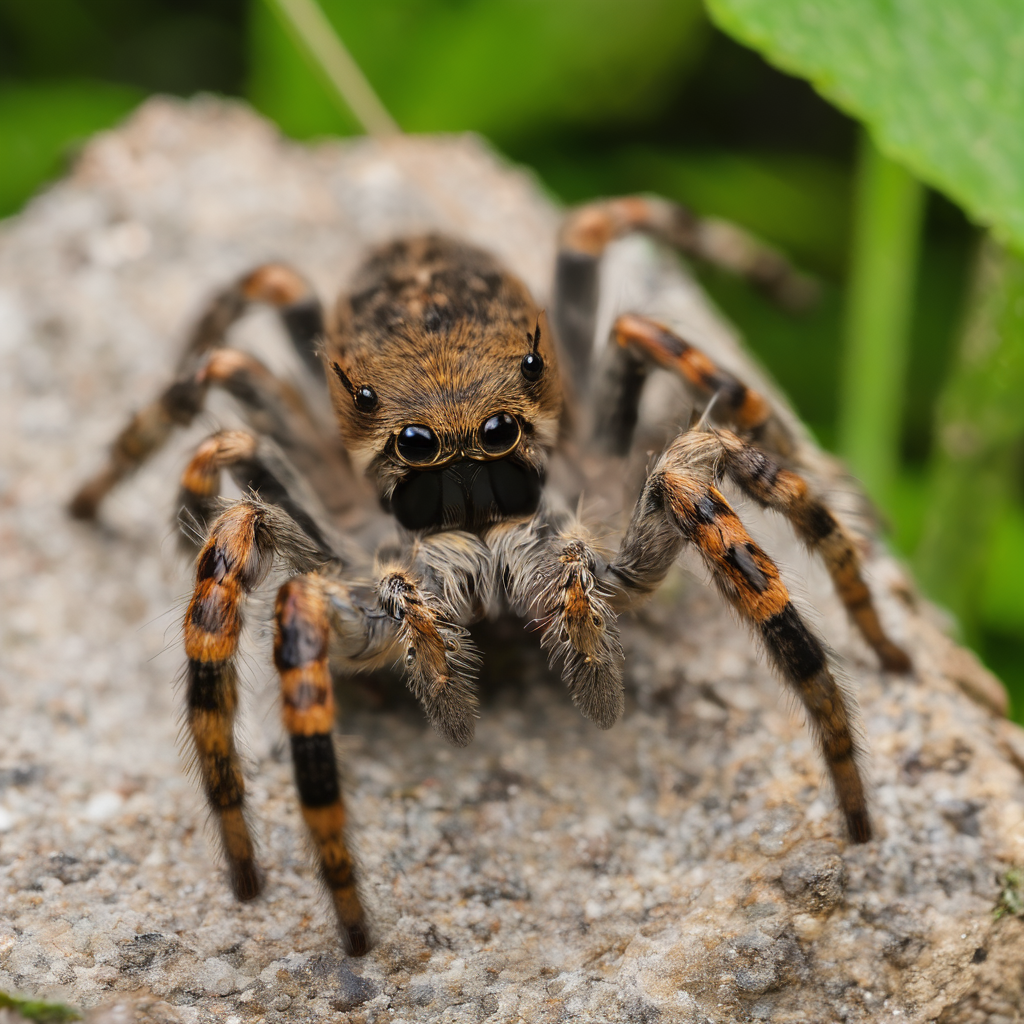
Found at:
(680, 498)
(439, 661)
(301, 655)
(642, 341)
(788, 493)
(723, 452)
(587, 231)
(234, 560)
(273, 406)
(258, 467)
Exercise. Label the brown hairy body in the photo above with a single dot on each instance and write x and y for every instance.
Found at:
(450, 386)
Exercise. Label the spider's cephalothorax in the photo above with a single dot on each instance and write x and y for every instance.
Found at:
(445, 385)
(444, 377)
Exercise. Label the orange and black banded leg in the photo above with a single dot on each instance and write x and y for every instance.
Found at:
(300, 654)
(555, 579)
(788, 493)
(257, 467)
(272, 408)
(202, 365)
(234, 560)
(146, 432)
(588, 230)
(273, 284)
(734, 404)
(684, 498)
(438, 659)
(199, 501)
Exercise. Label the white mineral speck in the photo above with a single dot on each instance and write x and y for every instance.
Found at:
(103, 805)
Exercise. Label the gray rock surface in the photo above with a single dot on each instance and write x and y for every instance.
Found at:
(687, 865)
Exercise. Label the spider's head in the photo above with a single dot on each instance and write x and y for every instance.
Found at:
(451, 416)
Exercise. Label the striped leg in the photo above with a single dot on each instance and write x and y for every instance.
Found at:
(273, 408)
(554, 575)
(300, 653)
(680, 496)
(747, 411)
(201, 365)
(788, 493)
(258, 467)
(588, 230)
(233, 561)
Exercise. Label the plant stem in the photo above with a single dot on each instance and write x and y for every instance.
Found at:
(887, 229)
(978, 432)
(316, 36)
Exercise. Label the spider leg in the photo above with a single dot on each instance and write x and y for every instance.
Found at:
(642, 341)
(260, 467)
(553, 574)
(301, 655)
(272, 406)
(274, 409)
(276, 285)
(588, 230)
(680, 499)
(787, 492)
(235, 559)
(750, 468)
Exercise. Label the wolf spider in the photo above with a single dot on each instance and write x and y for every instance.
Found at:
(449, 393)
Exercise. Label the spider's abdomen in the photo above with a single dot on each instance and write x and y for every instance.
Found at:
(432, 285)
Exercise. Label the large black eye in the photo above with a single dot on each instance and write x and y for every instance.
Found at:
(417, 445)
(499, 433)
(532, 366)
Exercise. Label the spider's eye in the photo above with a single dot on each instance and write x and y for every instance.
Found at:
(499, 433)
(365, 398)
(417, 445)
(532, 366)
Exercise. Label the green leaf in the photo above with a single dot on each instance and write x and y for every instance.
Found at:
(940, 83)
(41, 123)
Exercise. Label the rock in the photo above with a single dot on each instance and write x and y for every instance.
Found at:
(686, 865)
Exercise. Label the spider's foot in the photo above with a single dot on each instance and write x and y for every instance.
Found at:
(596, 688)
(356, 939)
(246, 880)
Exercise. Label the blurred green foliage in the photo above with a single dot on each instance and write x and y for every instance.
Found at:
(600, 98)
(506, 68)
(71, 67)
(38, 1009)
(42, 122)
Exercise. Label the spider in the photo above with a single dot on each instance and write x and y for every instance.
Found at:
(453, 394)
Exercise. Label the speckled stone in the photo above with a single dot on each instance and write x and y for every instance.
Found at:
(686, 865)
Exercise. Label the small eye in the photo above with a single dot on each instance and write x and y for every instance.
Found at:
(532, 366)
(417, 445)
(365, 398)
(499, 433)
